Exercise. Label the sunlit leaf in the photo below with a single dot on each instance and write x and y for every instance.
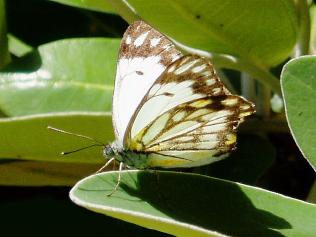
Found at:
(299, 92)
(264, 32)
(62, 76)
(193, 205)
(28, 137)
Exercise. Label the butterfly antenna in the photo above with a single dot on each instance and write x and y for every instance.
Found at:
(80, 149)
(77, 135)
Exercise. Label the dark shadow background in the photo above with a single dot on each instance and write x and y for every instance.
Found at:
(48, 211)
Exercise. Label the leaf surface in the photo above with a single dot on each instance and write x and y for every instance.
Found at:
(298, 80)
(185, 204)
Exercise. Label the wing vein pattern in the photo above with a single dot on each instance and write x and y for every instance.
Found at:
(144, 54)
(187, 113)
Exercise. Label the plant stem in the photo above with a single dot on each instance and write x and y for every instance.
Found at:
(262, 75)
(312, 40)
(4, 52)
(248, 87)
(226, 80)
(259, 73)
(126, 11)
(302, 46)
(263, 102)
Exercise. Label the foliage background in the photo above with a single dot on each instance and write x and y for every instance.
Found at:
(37, 22)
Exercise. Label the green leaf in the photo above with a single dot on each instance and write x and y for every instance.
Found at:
(299, 92)
(193, 205)
(4, 53)
(17, 47)
(63, 76)
(96, 5)
(37, 173)
(262, 32)
(253, 156)
(28, 137)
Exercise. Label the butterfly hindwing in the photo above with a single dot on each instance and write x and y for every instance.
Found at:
(144, 55)
(193, 133)
(187, 118)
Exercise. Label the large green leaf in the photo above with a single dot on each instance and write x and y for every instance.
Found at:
(66, 75)
(263, 32)
(97, 5)
(28, 137)
(193, 205)
(299, 92)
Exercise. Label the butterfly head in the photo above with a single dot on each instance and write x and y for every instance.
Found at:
(108, 151)
(111, 150)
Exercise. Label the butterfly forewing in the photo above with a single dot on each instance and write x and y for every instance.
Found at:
(187, 118)
(188, 78)
(144, 55)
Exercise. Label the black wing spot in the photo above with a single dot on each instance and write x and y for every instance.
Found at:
(139, 73)
(168, 94)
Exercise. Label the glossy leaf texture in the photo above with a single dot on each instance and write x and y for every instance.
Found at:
(262, 32)
(193, 205)
(62, 76)
(299, 92)
(28, 137)
(96, 5)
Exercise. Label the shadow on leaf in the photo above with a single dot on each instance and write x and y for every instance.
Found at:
(205, 202)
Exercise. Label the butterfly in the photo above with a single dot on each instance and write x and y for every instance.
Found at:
(169, 110)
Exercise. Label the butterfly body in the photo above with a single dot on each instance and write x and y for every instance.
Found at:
(135, 159)
(170, 110)
(141, 160)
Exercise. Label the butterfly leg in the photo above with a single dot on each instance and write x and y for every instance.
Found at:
(106, 165)
(118, 179)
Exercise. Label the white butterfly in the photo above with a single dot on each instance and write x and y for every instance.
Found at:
(169, 110)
